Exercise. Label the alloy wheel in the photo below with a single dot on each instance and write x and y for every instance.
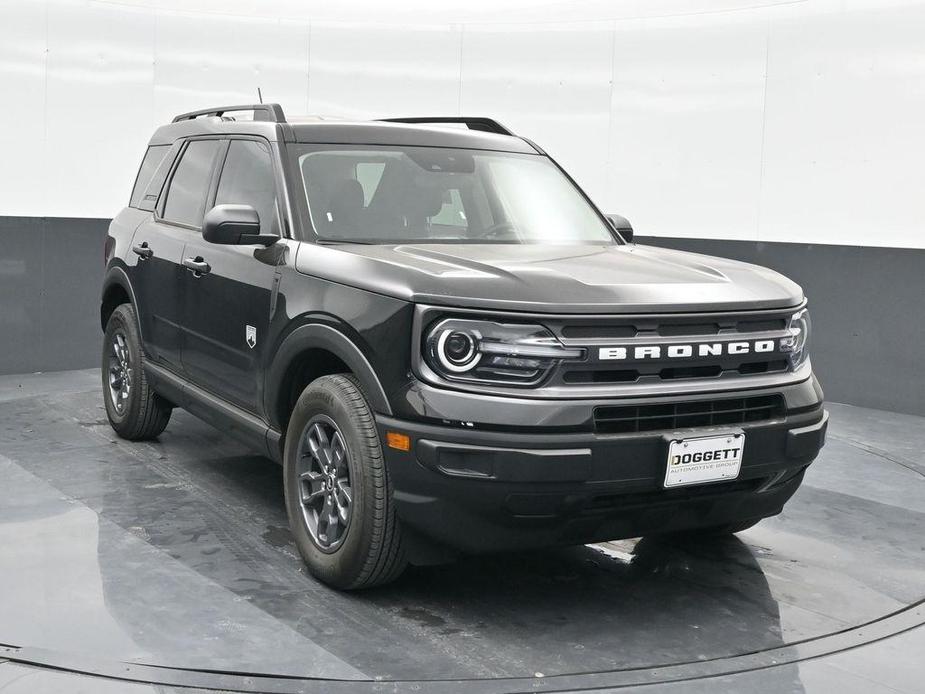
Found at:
(325, 492)
(120, 372)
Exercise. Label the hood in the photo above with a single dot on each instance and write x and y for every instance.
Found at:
(551, 278)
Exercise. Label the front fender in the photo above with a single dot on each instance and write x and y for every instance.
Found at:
(326, 337)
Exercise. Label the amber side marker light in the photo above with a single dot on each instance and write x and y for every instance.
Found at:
(400, 442)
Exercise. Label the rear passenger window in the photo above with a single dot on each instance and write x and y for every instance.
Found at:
(247, 179)
(149, 164)
(186, 196)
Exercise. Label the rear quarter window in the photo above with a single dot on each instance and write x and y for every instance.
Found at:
(153, 157)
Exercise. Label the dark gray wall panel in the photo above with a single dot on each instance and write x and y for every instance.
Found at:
(21, 289)
(71, 333)
(50, 274)
(868, 305)
(868, 311)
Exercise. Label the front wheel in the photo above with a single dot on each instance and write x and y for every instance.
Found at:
(338, 493)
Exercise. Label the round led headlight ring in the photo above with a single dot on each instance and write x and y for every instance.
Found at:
(457, 350)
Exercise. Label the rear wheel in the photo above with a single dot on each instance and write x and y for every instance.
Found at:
(338, 493)
(134, 410)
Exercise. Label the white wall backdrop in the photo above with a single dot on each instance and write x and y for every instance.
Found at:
(735, 119)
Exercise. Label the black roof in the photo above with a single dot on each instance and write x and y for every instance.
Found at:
(270, 122)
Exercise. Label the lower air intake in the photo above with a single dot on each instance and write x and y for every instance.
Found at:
(625, 419)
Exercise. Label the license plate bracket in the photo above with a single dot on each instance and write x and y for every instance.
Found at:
(703, 459)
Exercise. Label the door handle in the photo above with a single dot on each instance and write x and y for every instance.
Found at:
(142, 251)
(197, 266)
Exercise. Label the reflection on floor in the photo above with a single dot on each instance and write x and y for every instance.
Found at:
(176, 553)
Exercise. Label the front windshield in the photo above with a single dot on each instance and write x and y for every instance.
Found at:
(427, 194)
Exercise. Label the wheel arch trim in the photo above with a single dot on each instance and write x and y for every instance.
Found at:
(116, 276)
(322, 336)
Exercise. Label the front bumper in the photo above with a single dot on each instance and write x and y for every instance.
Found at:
(475, 488)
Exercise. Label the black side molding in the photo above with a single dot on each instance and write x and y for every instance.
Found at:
(243, 426)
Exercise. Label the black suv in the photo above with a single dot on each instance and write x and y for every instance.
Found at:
(445, 343)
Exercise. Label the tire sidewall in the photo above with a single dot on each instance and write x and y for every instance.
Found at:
(341, 566)
(123, 318)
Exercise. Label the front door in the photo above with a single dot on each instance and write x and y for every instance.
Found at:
(227, 307)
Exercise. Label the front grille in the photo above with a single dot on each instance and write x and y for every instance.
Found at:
(687, 334)
(673, 373)
(626, 419)
(669, 327)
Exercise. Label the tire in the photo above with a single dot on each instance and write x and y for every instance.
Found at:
(136, 413)
(366, 549)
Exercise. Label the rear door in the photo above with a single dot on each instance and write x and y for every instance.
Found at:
(227, 314)
(157, 247)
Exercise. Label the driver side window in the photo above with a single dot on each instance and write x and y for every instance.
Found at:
(247, 179)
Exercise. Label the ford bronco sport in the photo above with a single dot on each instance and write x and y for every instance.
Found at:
(448, 347)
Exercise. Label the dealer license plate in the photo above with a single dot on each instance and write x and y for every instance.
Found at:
(704, 459)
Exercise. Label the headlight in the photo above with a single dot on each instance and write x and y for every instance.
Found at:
(796, 344)
(489, 352)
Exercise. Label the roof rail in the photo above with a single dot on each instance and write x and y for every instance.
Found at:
(265, 112)
(488, 125)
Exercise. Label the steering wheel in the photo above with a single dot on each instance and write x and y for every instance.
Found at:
(499, 230)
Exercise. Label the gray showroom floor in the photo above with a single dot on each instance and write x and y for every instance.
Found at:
(170, 563)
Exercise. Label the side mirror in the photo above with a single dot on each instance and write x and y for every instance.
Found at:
(235, 225)
(622, 226)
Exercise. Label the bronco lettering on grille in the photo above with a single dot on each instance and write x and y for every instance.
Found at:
(685, 351)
